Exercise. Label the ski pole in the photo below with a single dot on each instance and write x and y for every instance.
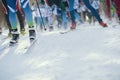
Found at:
(41, 15)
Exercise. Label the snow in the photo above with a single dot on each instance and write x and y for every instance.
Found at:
(87, 53)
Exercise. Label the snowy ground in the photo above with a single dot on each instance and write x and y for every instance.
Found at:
(88, 53)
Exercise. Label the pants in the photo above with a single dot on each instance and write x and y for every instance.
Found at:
(71, 9)
(28, 12)
(94, 12)
(73, 12)
(13, 8)
(117, 6)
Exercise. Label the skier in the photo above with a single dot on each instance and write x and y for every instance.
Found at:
(95, 4)
(5, 11)
(58, 13)
(88, 5)
(61, 5)
(50, 18)
(116, 4)
(84, 11)
(73, 5)
(43, 16)
(20, 16)
(61, 15)
(21, 19)
(13, 7)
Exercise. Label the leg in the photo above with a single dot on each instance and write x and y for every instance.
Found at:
(28, 15)
(77, 16)
(6, 12)
(13, 20)
(21, 22)
(64, 20)
(108, 3)
(71, 9)
(94, 12)
(117, 6)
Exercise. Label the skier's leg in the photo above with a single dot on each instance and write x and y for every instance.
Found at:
(64, 20)
(8, 23)
(71, 9)
(42, 23)
(6, 12)
(117, 6)
(94, 12)
(28, 12)
(28, 15)
(12, 5)
(108, 8)
(77, 16)
(21, 21)
(50, 22)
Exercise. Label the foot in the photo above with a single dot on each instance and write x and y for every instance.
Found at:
(14, 39)
(103, 24)
(73, 26)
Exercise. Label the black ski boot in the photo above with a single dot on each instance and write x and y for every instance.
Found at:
(51, 28)
(15, 37)
(32, 34)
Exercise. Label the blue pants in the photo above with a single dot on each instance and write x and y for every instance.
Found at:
(13, 7)
(40, 22)
(73, 12)
(64, 19)
(71, 9)
(28, 13)
(94, 12)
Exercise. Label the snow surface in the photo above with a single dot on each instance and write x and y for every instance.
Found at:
(88, 53)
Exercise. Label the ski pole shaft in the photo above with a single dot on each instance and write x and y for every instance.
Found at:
(41, 15)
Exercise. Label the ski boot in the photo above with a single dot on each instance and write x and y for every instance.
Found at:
(51, 28)
(103, 24)
(32, 34)
(73, 26)
(15, 37)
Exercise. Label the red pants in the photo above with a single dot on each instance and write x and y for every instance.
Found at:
(108, 3)
(117, 6)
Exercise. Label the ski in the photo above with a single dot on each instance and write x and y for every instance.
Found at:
(21, 47)
(29, 47)
(4, 45)
(25, 46)
(3, 40)
(63, 32)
